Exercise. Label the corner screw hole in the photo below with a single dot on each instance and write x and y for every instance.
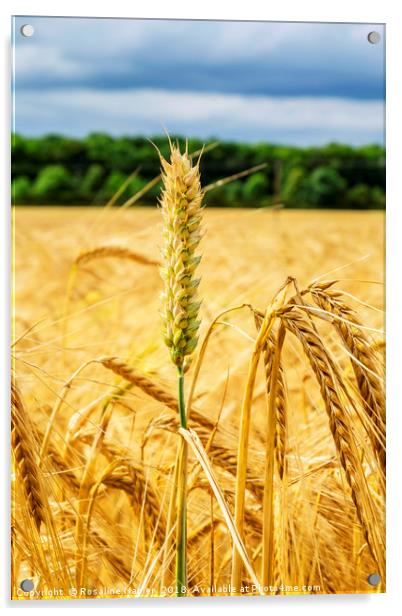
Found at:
(374, 579)
(374, 38)
(27, 30)
(27, 585)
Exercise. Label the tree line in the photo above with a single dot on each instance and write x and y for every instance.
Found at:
(59, 170)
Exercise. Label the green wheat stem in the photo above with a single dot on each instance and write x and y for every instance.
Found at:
(181, 553)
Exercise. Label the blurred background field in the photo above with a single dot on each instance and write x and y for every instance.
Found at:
(247, 254)
(112, 305)
(64, 317)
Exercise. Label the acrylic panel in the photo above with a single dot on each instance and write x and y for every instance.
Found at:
(198, 402)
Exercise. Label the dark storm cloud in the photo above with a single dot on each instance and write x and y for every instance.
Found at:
(78, 75)
(228, 57)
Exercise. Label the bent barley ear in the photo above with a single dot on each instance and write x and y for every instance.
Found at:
(181, 204)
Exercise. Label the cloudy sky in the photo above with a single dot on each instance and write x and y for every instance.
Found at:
(293, 83)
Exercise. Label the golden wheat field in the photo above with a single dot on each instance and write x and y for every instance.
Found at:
(95, 424)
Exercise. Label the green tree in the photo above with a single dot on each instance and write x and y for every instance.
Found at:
(54, 184)
(363, 197)
(91, 182)
(325, 188)
(234, 193)
(137, 184)
(256, 189)
(323, 176)
(112, 184)
(21, 190)
(377, 198)
(99, 147)
(293, 189)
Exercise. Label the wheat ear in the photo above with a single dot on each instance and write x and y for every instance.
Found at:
(23, 448)
(365, 368)
(181, 206)
(280, 402)
(141, 380)
(341, 429)
(118, 252)
(268, 500)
